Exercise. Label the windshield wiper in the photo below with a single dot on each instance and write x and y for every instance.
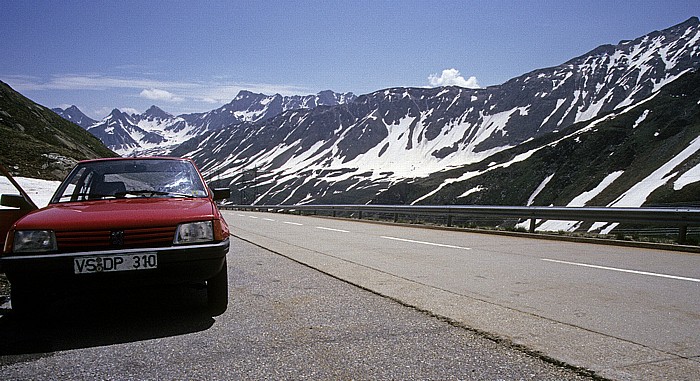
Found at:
(86, 196)
(151, 193)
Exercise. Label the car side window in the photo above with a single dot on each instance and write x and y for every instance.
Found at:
(75, 187)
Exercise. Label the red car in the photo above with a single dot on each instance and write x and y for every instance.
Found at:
(116, 223)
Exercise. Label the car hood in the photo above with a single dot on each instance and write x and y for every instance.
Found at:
(121, 214)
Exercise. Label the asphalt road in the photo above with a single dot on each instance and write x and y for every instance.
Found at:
(285, 321)
(624, 313)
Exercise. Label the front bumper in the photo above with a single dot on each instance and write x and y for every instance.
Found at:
(176, 264)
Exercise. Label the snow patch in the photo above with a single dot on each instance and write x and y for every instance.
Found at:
(637, 195)
(539, 189)
(470, 191)
(689, 177)
(585, 197)
(40, 191)
(578, 201)
(640, 119)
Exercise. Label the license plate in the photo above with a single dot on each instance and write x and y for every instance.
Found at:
(111, 263)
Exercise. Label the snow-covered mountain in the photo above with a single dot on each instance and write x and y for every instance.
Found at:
(252, 107)
(156, 132)
(76, 116)
(125, 135)
(356, 151)
(646, 154)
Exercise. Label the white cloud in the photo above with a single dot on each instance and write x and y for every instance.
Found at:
(129, 110)
(100, 112)
(452, 77)
(97, 82)
(160, 95)
(220, 90)
(217, 90)
(209, 100)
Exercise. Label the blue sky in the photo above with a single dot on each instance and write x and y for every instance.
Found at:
(194, 56)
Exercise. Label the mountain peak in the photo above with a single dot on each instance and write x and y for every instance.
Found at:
(155, 112)
(691, 21)
(246, 94)
(118, 116)
(74, 115)
(115, 113)
(681, 28)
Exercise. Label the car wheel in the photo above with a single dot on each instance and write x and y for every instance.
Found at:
(217, 292)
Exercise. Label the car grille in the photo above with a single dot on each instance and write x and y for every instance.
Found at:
(115, 239)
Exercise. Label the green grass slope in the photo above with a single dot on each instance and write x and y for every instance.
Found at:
(35, 142)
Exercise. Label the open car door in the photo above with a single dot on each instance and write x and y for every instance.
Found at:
(14, 203)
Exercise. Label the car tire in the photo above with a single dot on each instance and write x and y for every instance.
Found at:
(217, 292)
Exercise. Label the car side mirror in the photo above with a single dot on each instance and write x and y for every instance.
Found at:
(14, 201)
(221, 193)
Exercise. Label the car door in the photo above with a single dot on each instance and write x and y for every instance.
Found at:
(14, 203)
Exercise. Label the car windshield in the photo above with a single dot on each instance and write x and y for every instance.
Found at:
(112, 179)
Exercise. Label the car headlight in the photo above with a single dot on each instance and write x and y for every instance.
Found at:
(34, 241)
(194, 232)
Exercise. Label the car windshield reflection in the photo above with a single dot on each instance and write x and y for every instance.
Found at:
(131, 179)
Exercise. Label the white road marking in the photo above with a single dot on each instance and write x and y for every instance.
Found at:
(428, 243)
(333, 230)
(624, 270)
(269, 219)
(293, 223)
(253, 217)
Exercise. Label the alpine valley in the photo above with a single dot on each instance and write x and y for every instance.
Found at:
(617, 126)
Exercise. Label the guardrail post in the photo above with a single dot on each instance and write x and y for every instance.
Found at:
(682, 234)
(396, 217)
(533, 222)
(360, 215)
(449, 220)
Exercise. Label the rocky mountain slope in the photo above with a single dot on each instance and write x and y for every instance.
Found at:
(35, 142)
(368, 149)
(76, 116)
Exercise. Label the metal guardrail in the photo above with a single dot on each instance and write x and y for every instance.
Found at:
(679, 217)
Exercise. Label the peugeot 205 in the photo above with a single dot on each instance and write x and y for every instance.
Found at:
(117, 223)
